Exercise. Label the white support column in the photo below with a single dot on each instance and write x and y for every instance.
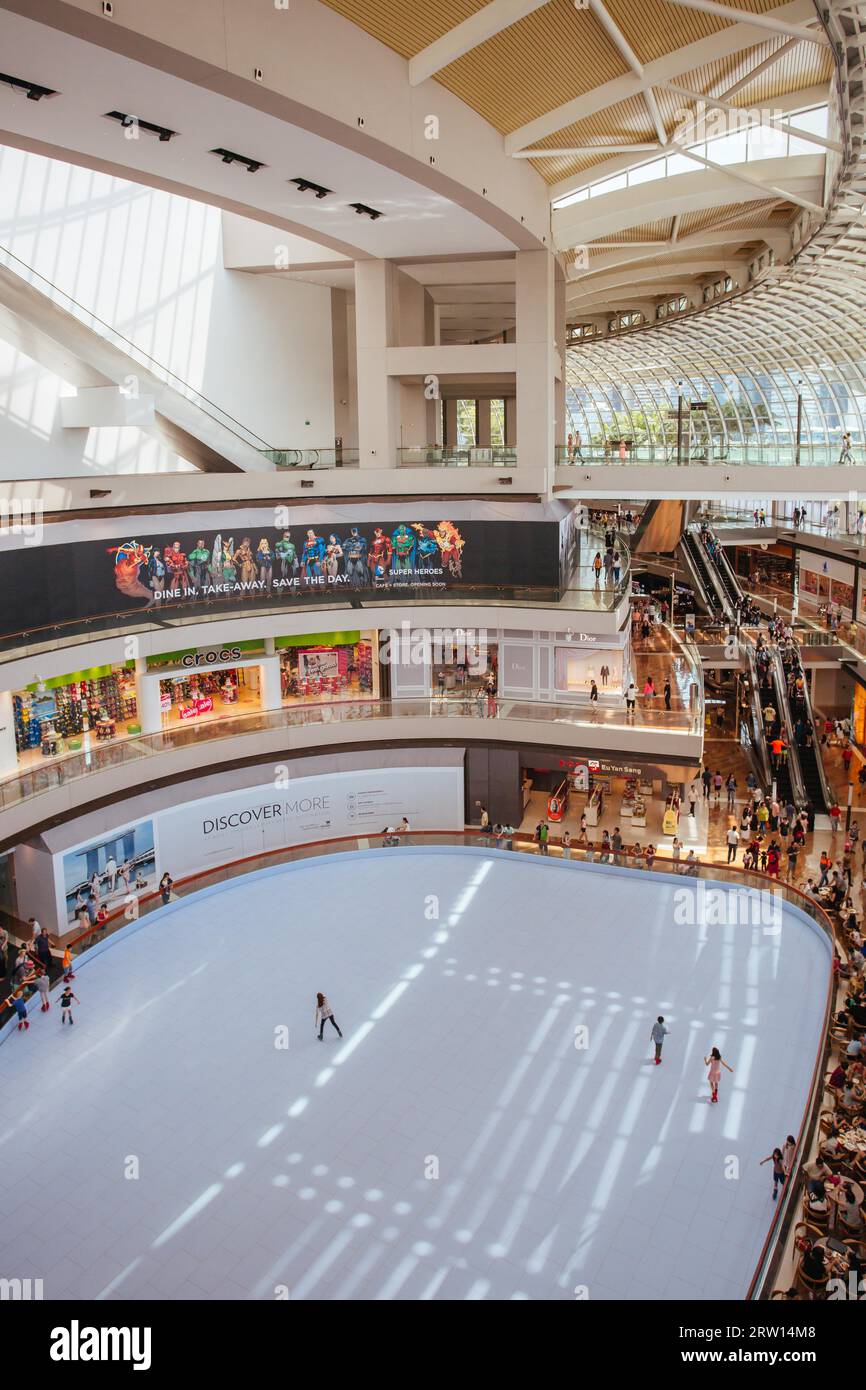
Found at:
(376, 330)
(147, 698)
(271, 689)
(8, 751)
(536, 360)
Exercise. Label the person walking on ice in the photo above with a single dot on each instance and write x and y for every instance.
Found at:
(323, 1013)
(658, 1035)
(715, 1062)
(66, 999)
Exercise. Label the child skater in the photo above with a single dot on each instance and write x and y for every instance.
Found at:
(715, 1062)
(21, 1010)
(68, 972)
(66, 999)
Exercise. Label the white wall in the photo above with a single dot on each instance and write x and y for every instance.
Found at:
(34, 444)
(150, 264)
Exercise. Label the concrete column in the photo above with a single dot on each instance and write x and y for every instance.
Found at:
(536, 361)
(510, 422)
(450, 423)
(340, 357)
(560, 423)
(147, 698)
(482, 423)
(8, 751)
(269, 679)
(376, 329)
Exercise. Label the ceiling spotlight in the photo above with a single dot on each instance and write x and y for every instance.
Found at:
(307, 186)
(363, 211)
(230, 157)
(126, 121)
(32, 90)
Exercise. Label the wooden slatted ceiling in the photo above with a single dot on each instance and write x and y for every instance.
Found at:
(407, 26)
(655, 29)
(551, 56)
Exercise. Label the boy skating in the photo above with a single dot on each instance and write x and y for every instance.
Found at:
(21, 1010)
(66, 999)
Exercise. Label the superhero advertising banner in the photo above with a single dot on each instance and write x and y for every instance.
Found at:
(48, 585)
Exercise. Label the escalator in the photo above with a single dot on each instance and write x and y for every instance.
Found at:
(697, 569)
(815, 779)
(712, 576)
(727, 578)
(752, 733)
(789, 775)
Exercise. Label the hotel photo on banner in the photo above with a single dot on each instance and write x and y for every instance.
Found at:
(432, 674)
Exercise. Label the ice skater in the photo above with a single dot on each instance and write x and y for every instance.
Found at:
(66, 999)
(21, 1010)
(779, 1171)
(68, 972)
(715, 1062)
(43, 984)
(658, 1035)
(323, 1013)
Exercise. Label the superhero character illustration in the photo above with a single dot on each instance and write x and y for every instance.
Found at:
(128, 560)
(215, 565)
(355, 556)
(177, 565)
(287, 554)
(229, 571)
(448, 541)
(428, 550)
(244, 562)
(265, 563)
(198, 563)
(403, 549)
(313, 555)
(379, 557)
(333, 556)
(156, 572)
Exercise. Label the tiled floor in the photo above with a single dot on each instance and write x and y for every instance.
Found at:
(457, 1143)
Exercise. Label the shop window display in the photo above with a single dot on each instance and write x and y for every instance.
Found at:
(342, 671)
(207, 695)
(54, 721)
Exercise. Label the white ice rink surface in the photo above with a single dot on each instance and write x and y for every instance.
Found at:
(262, 1168)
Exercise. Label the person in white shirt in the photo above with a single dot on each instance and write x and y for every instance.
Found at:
(630, 697)
(733, 839)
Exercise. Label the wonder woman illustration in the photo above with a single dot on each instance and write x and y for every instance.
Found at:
(450, 543)
(128, 560)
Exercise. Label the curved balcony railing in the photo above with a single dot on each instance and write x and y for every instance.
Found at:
(751, 456)
(787, 1210)
(135, 750)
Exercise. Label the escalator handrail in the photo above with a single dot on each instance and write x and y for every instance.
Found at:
(729, 578)
(826, 790)
(695, 572)
(715, 579)
(795, 770)
(759, 737)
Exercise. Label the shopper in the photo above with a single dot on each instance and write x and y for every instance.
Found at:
(323, 1013)
(667, 692)
(166, 883)
(616, 845)
(566, 844)
(593, 692)
(66, 999)
(694, 793)
(706, 780)
(731, 788)
(543, 836)
(658, 1035)
(630, 697)
(405, 829)
(715, 1062)
(779, 1170)
(733, 840)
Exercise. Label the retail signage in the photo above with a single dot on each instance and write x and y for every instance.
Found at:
(211, 657)
(58, 584)
(202, 705)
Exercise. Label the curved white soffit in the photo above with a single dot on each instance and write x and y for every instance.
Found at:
(804, 327)
(323, 75)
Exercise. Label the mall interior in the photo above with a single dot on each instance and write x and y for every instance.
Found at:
(389, 477)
